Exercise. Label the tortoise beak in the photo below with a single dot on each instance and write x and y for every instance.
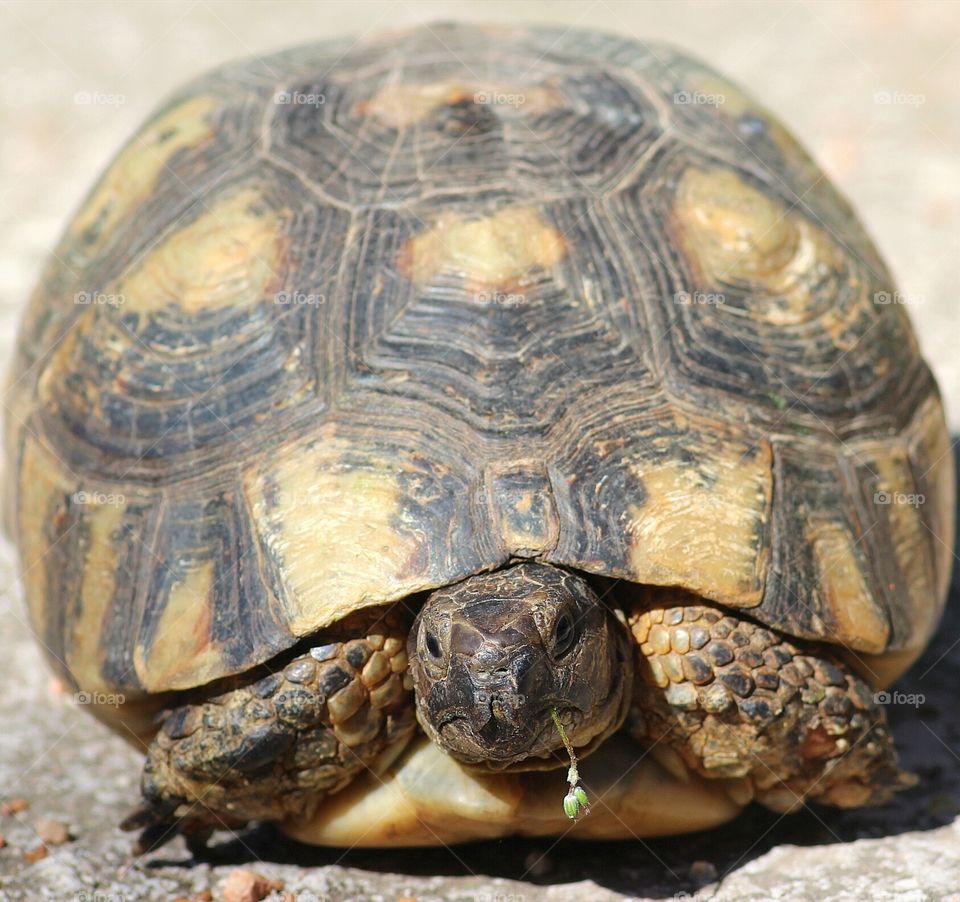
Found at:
(492, 687)
(488, 686)
(497, 680)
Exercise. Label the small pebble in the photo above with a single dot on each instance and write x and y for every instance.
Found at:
(702, 873)
(406, 899)
(247, 886)
(204, 896)
(52, 832)
(14, 806)
(3, 841)
(35, 854)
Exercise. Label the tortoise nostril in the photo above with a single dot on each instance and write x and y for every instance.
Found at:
(483, 676)
(490, 662)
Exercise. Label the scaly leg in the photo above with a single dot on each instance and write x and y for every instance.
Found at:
(274, 746)
(737, 700)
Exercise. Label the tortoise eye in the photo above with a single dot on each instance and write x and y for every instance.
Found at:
(564, 633)
(433, 646)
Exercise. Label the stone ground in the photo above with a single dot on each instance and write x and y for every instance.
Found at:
(869, 86)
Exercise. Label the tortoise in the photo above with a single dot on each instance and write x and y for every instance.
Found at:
(394, 411)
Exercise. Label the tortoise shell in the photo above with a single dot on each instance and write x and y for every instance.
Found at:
(359, 320)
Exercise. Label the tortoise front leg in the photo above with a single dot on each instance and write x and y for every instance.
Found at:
(272, 747)
(737, 700)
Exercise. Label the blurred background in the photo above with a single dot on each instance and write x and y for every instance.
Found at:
(869, 87)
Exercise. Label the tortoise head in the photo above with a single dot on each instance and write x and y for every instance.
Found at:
(492, 656)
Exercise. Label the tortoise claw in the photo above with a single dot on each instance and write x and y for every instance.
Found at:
(150, 814)
(197, 839)
(158, 825)
(156, 822)
(154, 837)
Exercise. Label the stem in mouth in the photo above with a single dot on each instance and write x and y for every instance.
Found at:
(575, 802)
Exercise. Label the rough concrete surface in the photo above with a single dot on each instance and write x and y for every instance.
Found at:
(870, 87)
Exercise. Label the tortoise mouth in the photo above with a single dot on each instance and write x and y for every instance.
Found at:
(537, 747)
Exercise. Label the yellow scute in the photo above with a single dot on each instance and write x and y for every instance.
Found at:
(48, 493)
(702, 533)
(495, 251)
(183, 633)
(900, 513)
(735, 233)
(41, 481)
(852, 613)
(231, 256)
(331, 524)
(932, 458)
(97, 592)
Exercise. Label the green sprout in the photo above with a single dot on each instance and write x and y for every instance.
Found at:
(779, 401)
(575, 802)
